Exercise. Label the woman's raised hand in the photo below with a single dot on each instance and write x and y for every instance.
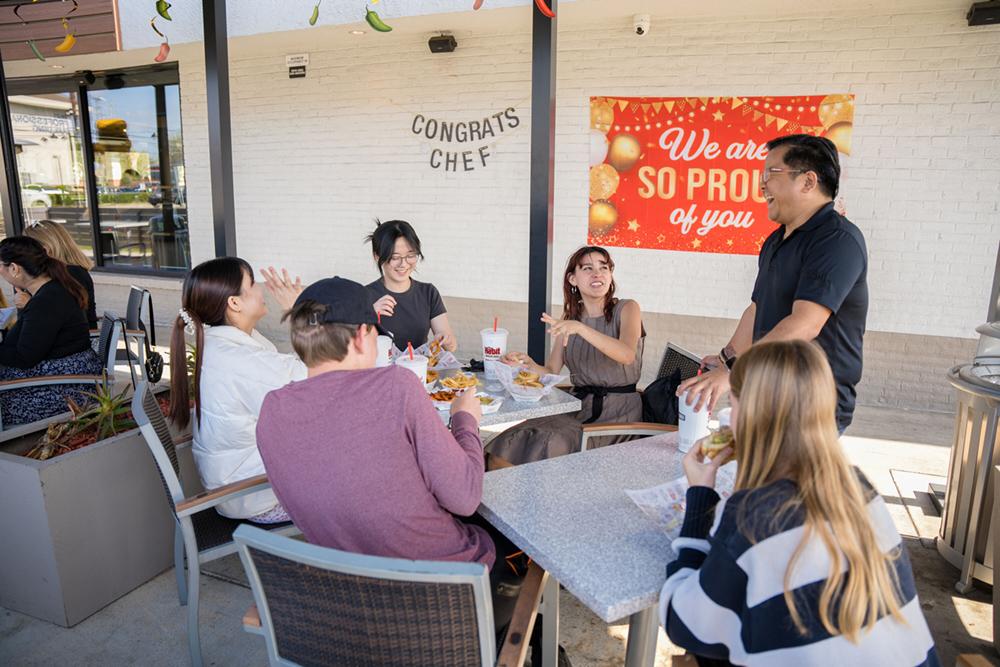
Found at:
(562, 328)
(385, 306)
(282, 287)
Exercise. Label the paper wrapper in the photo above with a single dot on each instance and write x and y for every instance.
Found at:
(506, 374)
(665, 503)
(446, 360)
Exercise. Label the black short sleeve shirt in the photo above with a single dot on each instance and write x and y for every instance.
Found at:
(824, 261)
(415, 308)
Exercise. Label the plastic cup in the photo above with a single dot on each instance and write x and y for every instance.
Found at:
(384, 356)
(418, 364)
(692, 425)
(494, 347)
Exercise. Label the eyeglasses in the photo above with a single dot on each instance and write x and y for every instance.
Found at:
(397, 260)
(765, 175)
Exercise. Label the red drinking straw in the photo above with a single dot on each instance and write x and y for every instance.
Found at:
(495, 320)
(378, 316)
(409, 348)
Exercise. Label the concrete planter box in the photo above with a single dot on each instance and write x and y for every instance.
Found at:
(81, 529)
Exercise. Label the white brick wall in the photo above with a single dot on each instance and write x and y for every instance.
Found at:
(316, 159)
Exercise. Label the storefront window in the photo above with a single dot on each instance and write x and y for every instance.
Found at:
(131, 200)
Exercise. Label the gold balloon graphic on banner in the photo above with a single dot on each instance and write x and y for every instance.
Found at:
(602, 115)
(624, 152)
(836, 109)
(603, 181)
(840, 134)
(603, 216)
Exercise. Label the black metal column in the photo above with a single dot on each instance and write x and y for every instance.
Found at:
(104, 246)
(220, 142)
(543, 141)
(10, 191)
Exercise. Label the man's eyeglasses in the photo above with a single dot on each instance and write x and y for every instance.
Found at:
(765, 175)
(397, 260)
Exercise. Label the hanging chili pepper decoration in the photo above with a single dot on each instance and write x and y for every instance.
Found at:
(376, 23)
(34, 49)
(68, 41)
(544, 9)
(162, 7)
(164, 52)
(152, 24)
(315, 13)
(477, 4)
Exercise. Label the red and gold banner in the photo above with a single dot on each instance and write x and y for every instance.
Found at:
(683, 173)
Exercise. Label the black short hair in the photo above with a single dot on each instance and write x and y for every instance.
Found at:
(383, 239)
(815, 154)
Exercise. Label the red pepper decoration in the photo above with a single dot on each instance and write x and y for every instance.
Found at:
(544, 9)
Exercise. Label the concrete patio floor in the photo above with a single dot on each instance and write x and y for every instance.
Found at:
(899, 452)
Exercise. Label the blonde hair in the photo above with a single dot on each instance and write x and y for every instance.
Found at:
(58, 243)
(786, 429)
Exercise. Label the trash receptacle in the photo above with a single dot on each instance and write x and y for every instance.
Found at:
(965, 538)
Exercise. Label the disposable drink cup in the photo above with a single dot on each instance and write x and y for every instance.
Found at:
(418, 364)
(384, 356)
(494, 347)
(692, 425)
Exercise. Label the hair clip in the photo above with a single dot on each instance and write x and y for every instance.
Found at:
(188, 321)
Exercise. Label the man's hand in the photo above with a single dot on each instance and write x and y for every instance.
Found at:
(705, 389)
(467, 401)
(701, 470)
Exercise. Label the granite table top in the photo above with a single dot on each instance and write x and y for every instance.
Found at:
(555, 403)
(571, 515)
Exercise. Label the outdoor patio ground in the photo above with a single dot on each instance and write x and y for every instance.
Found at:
(899, 451)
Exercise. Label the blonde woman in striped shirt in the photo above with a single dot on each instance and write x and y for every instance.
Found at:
(802, 565)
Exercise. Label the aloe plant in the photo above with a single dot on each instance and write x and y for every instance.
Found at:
(104, 411)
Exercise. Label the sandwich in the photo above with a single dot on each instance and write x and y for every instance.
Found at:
(717, 441)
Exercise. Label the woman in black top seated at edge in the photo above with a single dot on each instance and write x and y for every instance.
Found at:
(51, 336)
(59, 244)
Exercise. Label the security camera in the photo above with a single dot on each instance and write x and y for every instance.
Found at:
(640, 24)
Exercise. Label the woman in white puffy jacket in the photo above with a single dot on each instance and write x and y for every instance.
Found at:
(235, 368)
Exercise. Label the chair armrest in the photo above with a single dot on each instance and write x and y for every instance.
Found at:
(251, 621)
(206, 499)
(598, 429)
(515, 646)
(45, 380)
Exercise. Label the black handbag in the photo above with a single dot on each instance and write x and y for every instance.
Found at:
(659, 400)
(154, 360)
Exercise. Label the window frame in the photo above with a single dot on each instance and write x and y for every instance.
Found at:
(82, 83)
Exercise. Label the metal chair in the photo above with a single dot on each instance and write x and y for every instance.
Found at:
(202, 534)
(321, 606)
(674, 358)
(138, 311)
(110, 333)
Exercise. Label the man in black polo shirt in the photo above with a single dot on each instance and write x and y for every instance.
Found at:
(812, 278)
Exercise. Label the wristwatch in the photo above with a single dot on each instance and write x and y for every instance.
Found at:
(727, 359)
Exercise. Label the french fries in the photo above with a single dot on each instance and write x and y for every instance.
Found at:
(486, 400)
(528, 379)
(431, 376)
(435, 357)
(443, 396)
(460, 381)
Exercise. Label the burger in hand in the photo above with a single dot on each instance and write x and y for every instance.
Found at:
(716, 442)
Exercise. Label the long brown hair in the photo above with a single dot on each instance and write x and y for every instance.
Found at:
(786, 429)
(58, 243)
(572, 303)
(205, 299)
(30, 255)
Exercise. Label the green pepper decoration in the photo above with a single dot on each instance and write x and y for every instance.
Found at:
(376, 23)
(34, 49)
(315, 14)
(161, 8)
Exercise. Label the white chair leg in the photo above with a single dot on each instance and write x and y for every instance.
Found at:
(194, 641)
(182, 591)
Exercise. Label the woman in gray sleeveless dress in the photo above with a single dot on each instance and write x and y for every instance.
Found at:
(600, 339)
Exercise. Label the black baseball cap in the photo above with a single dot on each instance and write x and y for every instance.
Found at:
(346, 301)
